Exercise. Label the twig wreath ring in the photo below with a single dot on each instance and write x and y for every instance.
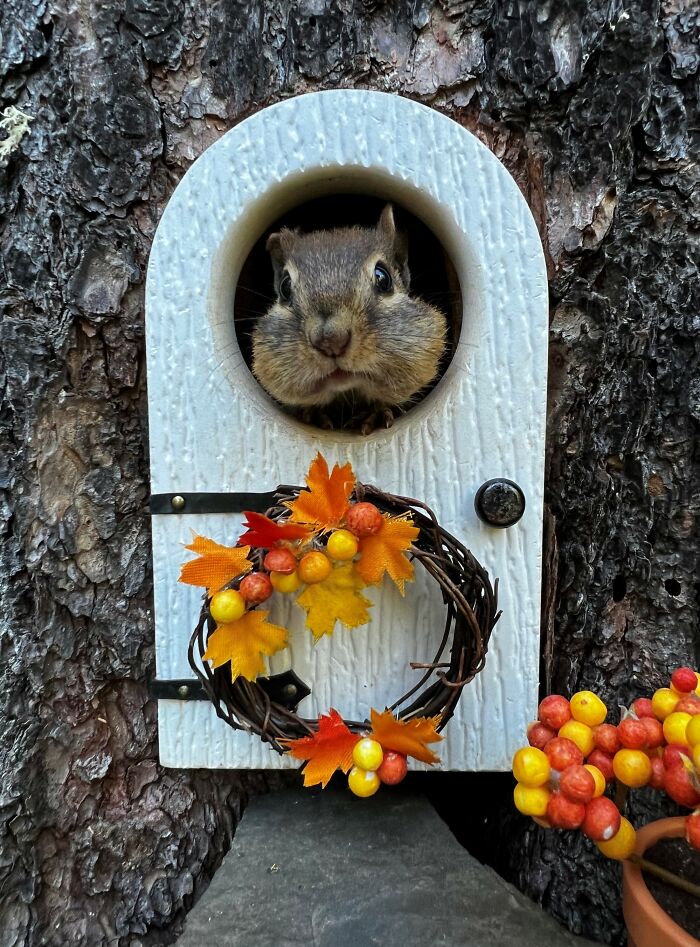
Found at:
(324, 544)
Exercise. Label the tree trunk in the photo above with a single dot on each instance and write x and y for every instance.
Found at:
(593, 109)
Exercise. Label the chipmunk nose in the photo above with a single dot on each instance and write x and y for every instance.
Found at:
(333, 342)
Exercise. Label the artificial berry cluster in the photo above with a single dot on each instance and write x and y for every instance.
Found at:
(287, 567)
(373, 766)
(573, 755)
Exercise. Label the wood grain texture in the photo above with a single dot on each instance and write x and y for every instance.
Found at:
(593, 110)
(485, 419)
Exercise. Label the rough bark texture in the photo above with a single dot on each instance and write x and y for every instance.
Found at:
(593, 108)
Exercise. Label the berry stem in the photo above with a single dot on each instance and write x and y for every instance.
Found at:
(676, 881)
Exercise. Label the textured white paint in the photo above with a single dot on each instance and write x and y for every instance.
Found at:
(213, 429)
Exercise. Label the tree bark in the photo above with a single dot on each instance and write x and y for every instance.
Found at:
(593, 109)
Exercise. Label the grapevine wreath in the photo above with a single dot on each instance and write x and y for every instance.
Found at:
(324, 545)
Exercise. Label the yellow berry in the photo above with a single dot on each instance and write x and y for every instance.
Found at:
(285, 582)
(675, 727)
(622, 844)
(632, 767)
(363, 782)
(314, 567)
(368, 754)
(598, 777)
(226, 606)
(342, 545)
(663, 702)
(692, 731)
(531, 767)
(531, 800)
(580, 734)
(588, 708)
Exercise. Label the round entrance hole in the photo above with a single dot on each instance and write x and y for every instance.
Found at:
(433, 279)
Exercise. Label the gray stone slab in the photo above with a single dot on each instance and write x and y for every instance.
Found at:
(324, 869)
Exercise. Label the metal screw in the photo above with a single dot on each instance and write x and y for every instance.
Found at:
(499, 502)
(183, 690)
(289, 691)
(177, 502)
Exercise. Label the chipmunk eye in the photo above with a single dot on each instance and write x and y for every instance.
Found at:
(286, 288)
(382, 278)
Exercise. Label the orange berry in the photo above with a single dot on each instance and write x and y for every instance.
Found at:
(632, 767)
(588, 708)
(580, 734)
(314, 567)
(684, 680)
(621, 845)
(531, 766)
(280, 560)
(364, 519)
(255, 588)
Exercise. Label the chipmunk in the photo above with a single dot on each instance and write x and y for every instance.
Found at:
(343, 324)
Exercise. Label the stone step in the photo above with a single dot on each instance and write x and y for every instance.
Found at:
(323, 869)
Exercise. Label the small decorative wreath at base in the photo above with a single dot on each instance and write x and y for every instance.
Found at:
(330, 541)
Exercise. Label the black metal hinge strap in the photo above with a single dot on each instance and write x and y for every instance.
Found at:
(211, 502)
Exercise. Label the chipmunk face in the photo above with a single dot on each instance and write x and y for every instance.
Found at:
(343, 320)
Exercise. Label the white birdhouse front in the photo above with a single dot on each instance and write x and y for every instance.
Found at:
(218, 440)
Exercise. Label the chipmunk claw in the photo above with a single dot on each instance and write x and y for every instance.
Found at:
(317, 418)
(380, 418)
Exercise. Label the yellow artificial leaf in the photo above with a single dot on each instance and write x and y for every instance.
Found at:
(217, 564)
(337, 598)
(325, 751)
(243, 643)
(325, 503)
(406, 736)
(385, 552)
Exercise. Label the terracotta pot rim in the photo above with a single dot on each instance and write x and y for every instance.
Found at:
(638, 892)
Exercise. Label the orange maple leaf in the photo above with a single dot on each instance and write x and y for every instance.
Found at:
(325, 503)
(217, 564)
(406, 736)
(385, 552)
(243, 642)
(325, 751)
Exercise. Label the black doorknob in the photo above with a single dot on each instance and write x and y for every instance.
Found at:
(499, 502)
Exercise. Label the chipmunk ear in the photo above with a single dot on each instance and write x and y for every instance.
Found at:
(397, 241)
(278, 246)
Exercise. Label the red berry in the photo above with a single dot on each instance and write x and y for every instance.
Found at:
(684, 680)
(255, 588)
(562, 813)
(364, 519)
(655, 732)
(692, 829)
(538, 735)
(606, 738)
(562, 753)
(688, 704)
(577, 784)
(642, 707)
(393, 768)
(679, 787)
(604, 762)
(602, 819)
(674, 754)
(554, 711)
(632, 733)
(658, 773)
(280, 560)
